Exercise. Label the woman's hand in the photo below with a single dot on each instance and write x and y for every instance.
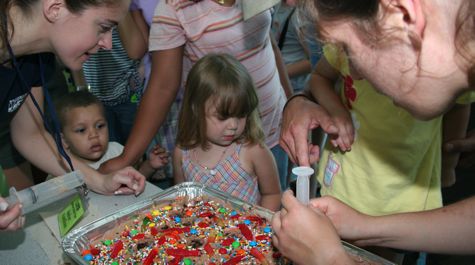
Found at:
(10, 219)
(125, 181)
(347, 221)
(300, 117)
(306, 235)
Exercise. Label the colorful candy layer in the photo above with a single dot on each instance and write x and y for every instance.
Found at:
(188, 232)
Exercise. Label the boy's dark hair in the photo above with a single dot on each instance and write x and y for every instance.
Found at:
(75, 99)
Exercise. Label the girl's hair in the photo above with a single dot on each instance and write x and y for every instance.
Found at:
(364, 14)
(223, 80)
(77, 99)
(26, 6)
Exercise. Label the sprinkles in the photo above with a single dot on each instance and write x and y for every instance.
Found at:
(185, 232)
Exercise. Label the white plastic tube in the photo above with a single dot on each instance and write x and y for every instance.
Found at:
(47, 192)
(303, 183)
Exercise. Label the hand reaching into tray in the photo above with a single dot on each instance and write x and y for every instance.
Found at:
(125, 181)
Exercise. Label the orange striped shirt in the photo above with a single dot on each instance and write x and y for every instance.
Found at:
(207, 27)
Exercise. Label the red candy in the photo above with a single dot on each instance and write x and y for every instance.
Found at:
(203, 224)
(246, 232)
(206, 214)
(153, 231)
(234, 260)
(151, 256)
(257, 219)
(95, 251)
(138, 236)
(177, 230)
(209, 249)
(258, 255)
(263, 238)
(182, 252)
(227, 241)
(161, 240)
(222, 251)
(116, 249)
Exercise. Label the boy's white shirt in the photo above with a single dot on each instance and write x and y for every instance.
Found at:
(113, 150)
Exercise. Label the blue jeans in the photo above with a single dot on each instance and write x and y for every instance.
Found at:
(282, 161)
(120, 119)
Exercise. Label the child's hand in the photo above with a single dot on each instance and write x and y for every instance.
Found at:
(448, 177)
(449, 163)
(158, 157)
(346, 131)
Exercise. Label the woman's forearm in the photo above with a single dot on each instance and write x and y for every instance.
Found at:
(444, 230)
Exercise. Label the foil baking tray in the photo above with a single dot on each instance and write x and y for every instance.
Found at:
(80, 238)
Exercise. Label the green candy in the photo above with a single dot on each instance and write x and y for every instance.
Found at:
(236, 244)
(107, 242)
(146, 221)
(187, 261)
(133, 232)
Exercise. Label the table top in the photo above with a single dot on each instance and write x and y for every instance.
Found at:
(39, 241)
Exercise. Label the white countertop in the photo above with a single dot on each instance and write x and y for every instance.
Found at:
(39, 241)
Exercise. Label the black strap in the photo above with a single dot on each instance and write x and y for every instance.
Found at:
(284, 30)
(55, 131)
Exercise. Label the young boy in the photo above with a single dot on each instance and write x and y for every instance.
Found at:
(85, 134)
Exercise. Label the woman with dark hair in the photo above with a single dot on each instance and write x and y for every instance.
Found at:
(421, 54)
(30, 31)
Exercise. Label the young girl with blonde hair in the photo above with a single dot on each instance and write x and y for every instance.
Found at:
(220, 139)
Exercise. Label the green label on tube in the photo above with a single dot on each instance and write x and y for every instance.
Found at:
(70, 215)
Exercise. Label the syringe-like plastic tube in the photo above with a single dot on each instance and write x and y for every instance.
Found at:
(303, 183)
(47, 192)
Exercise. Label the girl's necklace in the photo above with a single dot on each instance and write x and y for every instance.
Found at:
(225, 2)
(220, 2)
(212, 171)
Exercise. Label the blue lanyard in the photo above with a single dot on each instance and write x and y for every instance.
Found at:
(55, 131)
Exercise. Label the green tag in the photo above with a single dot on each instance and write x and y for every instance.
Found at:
(70, 215)
(134, 98)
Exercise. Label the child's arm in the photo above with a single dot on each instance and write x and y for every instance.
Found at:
(322, 87)
(281, 69)
(132, 38)
(157, 158)
(455, 124)
(304, 66)
(264, 167)
(142, 25)
(178, 176)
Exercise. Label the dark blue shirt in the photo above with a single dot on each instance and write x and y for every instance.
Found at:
(13, 91)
